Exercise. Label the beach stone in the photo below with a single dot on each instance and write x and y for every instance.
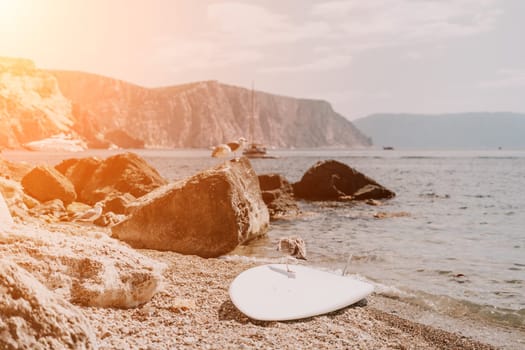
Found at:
(208, 214)
(333, 180)
(109, 219)
(53, 209)
(118, 204)
(88, 271)
(79, 171)
(32, 317)
(6, 220)
(46, 183)
(277, 194)
(119, 174)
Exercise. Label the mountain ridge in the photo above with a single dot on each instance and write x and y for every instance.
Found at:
(469, 130)
(196, 114)
(201, 114)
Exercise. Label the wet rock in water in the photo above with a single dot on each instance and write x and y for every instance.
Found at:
(372, 192)
(333, 180)
(293, 246)
(373, 202)
(208, 214)
(35, 318)
(386, 215)
(119, 174)
(277, 194)
(46, 183)
(89, 271)
(79, 171)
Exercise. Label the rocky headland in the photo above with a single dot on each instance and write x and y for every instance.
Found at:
(103, 112)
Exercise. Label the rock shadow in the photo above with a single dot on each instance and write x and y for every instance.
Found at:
(228, 312)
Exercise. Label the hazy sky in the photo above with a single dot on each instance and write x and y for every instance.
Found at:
(363, 56)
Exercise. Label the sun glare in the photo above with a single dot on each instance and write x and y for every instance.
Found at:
(9, 13)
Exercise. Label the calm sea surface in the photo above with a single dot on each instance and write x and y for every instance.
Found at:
(460, 249)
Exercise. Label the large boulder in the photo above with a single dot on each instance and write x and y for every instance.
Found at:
(46, 183)
(89, 271)
(208, 214)
(79, 171)
(119, 174)
(277, 194)
(32, 317)
(333, 180)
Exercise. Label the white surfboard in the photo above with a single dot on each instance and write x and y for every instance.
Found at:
(271, 293)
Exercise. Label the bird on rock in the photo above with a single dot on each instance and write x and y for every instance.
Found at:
(292, 246)
(227, 149)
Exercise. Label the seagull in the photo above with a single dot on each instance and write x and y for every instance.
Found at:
(90, 215)
(292, 246)
(226, 149)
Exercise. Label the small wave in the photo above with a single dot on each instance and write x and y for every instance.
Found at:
(495, 157)
(462, 308)
(420, 157)
(434, 195)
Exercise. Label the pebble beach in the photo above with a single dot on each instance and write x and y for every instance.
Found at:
(193, 311)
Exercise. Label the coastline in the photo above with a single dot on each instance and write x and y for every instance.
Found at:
(194, 311)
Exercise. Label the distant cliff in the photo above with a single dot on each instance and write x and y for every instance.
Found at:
(31, 104)
(202, 114)
(446, 131)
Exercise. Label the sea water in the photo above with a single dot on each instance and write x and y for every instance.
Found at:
(456, 243)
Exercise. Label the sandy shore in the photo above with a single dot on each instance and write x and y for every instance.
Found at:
(194, 311)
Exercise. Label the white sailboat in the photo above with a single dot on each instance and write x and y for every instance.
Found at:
(254, 149)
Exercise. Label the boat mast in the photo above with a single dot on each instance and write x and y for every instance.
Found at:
(252, 120)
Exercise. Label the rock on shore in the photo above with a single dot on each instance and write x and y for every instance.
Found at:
(91, 271)
(35, 318)
(208, 214)
(46, 183)
(97, 180)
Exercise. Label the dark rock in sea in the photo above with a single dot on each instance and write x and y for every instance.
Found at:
(372, 192)
(333, 180)
(385, 215)
(33, 317)
(120, 174)
(46, 183)
(123, 139)
(277, 194)
(208, 214)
